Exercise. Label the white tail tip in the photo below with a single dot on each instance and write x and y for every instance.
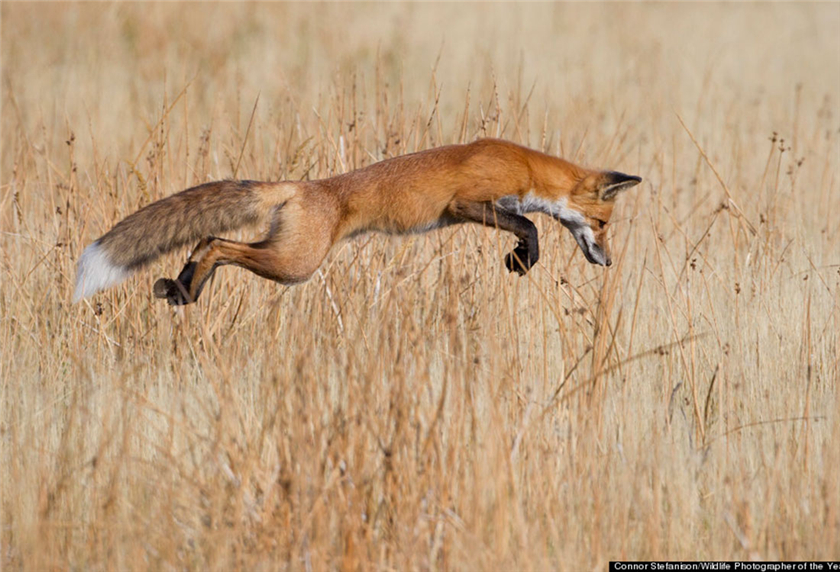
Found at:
(95, 272)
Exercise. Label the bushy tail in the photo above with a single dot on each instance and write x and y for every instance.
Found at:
(165, 225)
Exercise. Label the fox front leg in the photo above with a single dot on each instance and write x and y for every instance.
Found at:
(522, 258)
(527, 250)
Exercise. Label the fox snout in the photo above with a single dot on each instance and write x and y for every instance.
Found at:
(594, 205)
(594, 253)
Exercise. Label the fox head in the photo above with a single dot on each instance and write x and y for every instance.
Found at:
(589, 208)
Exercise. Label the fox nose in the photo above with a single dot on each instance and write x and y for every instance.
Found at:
(608, 262)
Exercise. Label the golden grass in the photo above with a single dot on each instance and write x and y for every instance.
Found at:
(414, 406)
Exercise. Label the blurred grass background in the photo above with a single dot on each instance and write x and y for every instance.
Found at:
(414, 406)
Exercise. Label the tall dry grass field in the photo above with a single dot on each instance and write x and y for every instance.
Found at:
(414, 406)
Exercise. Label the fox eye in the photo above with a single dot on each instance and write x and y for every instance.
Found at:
(601, 223)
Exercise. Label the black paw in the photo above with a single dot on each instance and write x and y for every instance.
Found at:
(518, 261)
(174, 292)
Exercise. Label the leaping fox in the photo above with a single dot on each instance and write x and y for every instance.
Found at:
(489, 182)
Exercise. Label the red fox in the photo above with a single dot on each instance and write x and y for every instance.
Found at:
(489, 182)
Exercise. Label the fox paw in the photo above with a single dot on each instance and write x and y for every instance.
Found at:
(517, 261)
(174, 292)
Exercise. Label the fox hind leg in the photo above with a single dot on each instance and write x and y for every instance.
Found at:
(286, 261)
(178, 291)
(298, 240)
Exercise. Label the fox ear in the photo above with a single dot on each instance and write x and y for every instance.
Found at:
(614, 183)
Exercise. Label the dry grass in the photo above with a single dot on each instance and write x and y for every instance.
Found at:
(414, 406)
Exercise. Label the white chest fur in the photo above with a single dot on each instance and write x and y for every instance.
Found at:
(559, 210)
(531, 203)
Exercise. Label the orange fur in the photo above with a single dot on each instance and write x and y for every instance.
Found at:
(489, 182)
